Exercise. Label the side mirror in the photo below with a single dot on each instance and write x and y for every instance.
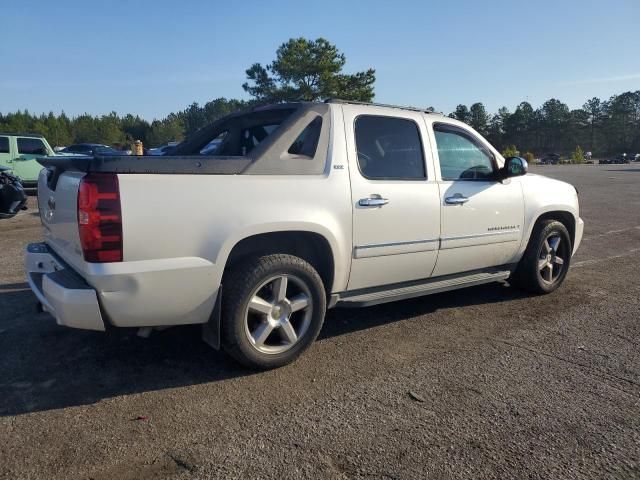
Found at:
(514, 167)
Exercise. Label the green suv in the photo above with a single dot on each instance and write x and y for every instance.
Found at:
(19, 152)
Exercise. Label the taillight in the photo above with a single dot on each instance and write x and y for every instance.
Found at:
(100, 218)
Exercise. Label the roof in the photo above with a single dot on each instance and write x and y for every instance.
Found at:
(296, 105)
(14, 134)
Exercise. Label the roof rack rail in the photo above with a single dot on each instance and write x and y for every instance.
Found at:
(355, 102)
(19, 134)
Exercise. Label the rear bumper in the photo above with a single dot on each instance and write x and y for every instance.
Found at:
(149, 293)
(62, 292)
(578, 236)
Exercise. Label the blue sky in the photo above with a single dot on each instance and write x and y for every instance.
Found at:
(155, 57)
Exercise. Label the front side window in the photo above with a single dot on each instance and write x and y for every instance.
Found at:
(4, 144)
(389, 148)
(462, 157)
(31, 146)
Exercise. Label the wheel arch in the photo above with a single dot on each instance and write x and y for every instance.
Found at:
(315, 245)
(561, 213)
(312, 246)
(563, 216)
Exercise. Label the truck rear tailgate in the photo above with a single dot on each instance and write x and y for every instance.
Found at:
(58, 204)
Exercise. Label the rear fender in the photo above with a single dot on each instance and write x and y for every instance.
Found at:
(340, 251)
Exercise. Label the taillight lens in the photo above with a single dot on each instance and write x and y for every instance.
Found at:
(100, 218)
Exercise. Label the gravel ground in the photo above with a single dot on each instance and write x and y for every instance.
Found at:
(478, 383)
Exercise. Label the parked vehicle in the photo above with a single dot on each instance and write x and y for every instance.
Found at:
(92, 149)
(304, 207)
(18, 153)
(550, 159)
(617, 160)
(163, 149)
(12, 195)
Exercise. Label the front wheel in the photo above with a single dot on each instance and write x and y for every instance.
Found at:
(546, 260)
(273, 308)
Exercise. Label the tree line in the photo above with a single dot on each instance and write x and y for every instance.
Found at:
(118, 131)
(312, 70)
(603, 127)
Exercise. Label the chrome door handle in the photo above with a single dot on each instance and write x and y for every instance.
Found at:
(374, 200)
(457, 199)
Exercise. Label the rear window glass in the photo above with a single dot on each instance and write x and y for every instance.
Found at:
(236, 135)
(389, 148)
(307, 142)
(4, 145)
(31, 146)
(213, 147)
(251, 137)
(77, 148)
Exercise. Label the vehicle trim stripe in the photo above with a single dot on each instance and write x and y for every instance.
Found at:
(431, 244)
(481, 235)
(395, 248)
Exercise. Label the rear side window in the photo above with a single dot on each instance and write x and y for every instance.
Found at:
(389, 148)
(462, 157)
(307, 142)
(4, 144)
(31, 146)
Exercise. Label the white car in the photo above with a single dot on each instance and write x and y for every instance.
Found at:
(305, 206)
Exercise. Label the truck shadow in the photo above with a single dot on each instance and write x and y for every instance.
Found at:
(46, 367)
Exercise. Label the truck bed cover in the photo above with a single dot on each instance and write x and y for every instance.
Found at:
(204, 165)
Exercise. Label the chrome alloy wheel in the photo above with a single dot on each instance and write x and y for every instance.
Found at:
(551, 258)
(278, 314)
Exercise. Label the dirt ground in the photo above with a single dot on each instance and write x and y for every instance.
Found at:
(480, 383)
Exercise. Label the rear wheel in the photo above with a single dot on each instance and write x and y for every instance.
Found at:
(546, 260)
(273, 308)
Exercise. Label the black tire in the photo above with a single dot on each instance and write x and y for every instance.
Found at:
(527, 275)
(242, 282)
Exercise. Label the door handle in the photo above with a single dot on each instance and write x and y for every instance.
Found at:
(374, 200)
(457, 199)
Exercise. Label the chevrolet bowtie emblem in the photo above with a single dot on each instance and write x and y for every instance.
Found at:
(51, 206)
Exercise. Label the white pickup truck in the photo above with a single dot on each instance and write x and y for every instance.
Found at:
(289, 210)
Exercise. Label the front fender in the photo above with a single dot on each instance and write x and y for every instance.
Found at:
(542, 196)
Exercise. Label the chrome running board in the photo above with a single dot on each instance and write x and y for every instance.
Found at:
(402, 291)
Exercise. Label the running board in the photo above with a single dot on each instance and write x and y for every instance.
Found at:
(367, 297)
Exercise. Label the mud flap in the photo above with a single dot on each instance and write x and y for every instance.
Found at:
(211, 329)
